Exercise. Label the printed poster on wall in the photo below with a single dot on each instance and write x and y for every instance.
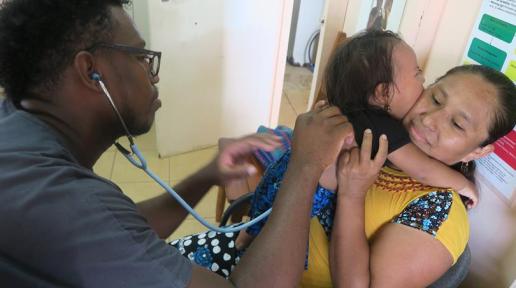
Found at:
(492, 44)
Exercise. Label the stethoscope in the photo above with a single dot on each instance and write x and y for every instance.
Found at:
(140, 162)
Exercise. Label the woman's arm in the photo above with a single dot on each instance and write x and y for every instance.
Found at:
(399, 256)
(402, 256)
(429, 171)
(349, 249)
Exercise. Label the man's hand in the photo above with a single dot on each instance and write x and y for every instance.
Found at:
(356, 171)
(232, 162)
(320, 135)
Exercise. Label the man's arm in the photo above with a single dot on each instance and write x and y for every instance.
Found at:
(276, 257)
(165, 214)
(278, 251)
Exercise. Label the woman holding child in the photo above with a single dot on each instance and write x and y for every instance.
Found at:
(389, 226)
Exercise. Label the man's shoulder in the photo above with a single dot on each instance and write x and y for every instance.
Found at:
(44, 165)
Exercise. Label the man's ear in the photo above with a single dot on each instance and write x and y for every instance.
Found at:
(478, 153)
(84, 65)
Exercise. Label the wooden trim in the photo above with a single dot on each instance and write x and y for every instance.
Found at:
(321, 93)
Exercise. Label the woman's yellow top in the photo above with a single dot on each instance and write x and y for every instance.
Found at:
(395, 197)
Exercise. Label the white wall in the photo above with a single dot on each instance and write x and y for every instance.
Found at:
(419, 26)
(222, 68)
(452, 36)
(492, 240)
(140, 13)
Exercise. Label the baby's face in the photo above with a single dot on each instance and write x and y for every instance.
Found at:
(408, 78)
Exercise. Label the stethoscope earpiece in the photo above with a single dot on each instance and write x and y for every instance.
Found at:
(95, 76)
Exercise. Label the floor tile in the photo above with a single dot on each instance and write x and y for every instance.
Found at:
(206, 207)
(299, 100)
(183, 165)
(189, 227)
(140, 191)
(297, 78)
(124, 171)
(146, 141)
(287, 115)
(104, 166)
(296, 90)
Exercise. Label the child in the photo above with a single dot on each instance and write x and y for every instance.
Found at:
(374, 79)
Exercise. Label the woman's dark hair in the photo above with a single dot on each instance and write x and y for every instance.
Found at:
(39, 39)
(357, 67)
(505, 115)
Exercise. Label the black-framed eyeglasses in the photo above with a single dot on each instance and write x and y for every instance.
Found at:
(153, 58)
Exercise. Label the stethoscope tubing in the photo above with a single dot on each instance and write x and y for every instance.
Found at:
(141, 163)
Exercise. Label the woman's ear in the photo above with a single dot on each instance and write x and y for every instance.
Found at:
(478, 153)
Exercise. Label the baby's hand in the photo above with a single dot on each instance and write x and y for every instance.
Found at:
(471, 192)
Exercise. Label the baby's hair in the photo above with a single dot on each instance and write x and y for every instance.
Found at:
(357, 67)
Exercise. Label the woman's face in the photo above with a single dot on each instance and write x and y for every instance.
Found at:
(452, 117)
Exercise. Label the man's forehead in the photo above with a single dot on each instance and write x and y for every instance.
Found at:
(124, 29)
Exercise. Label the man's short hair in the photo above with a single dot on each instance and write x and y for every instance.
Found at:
(39, 39)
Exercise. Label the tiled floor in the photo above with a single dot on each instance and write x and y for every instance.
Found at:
(138, 186)
(296, 89)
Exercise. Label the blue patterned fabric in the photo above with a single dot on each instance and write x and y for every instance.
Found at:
(202, 256)
(323, 202)
(265, 193)
(212, 250)
(427, 212)
(266, 158)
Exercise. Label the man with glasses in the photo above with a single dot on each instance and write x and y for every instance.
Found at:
(61, 224)
(153, 58)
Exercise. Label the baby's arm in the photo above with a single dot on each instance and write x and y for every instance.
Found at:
(432, 172)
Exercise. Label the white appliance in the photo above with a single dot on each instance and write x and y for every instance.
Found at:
(306, 23)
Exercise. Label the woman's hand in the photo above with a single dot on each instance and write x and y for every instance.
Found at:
(356, 172)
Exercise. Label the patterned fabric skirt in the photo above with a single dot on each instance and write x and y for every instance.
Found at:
(212, 250)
